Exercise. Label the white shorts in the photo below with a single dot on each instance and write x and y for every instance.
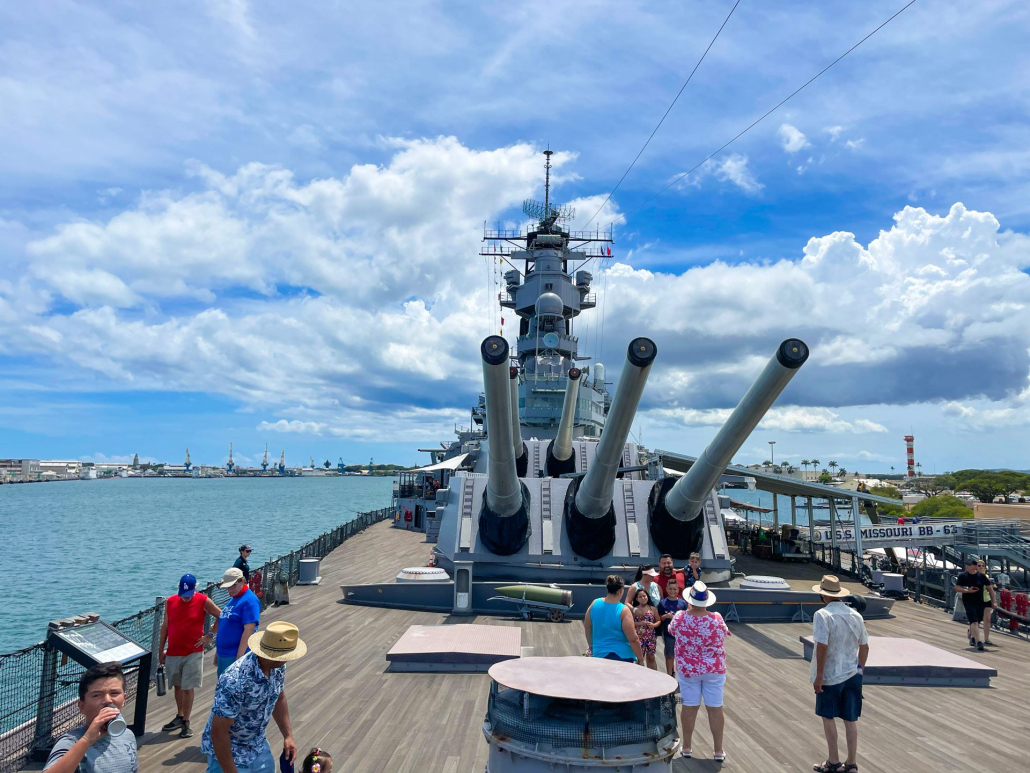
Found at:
(692, 688)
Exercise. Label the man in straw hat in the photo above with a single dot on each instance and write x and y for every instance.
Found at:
(841, 650)
(249, 693)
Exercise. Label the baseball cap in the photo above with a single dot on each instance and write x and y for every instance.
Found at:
(245, 547)
(231, 577)
(187, 584)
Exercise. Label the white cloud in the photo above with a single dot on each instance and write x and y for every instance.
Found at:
(834, 132)
(352, 306)
(99, 458)
(734, 169)
(792, 138)
(854, 144)
(785, 419)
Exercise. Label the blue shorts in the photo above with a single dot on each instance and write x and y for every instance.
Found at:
(224, 662)
(613, 656)
(670, 644)
(262, 763)
(843, 701)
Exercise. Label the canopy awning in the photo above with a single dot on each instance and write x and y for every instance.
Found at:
(777, 484)
(447, 464)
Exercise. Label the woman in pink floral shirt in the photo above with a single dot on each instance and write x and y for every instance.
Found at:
(701, 664)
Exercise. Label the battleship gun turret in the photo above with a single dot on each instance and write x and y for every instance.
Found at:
(561, 456)
(504, 518)
(590, 517)
(675, 506)
(518, 444)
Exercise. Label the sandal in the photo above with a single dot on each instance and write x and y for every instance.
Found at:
(852, 768)
(684, 753)
(719, 756)
(829, 767)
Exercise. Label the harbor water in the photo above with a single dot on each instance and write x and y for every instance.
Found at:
(113, 546)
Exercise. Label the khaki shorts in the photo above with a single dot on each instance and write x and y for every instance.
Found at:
(185, 671)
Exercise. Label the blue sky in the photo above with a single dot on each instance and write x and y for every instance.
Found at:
(260, 223)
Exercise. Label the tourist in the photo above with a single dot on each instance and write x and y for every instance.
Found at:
(182, 630)
(841, 650)
(241, 562)
(89, 748)
(701, 665)
(609, 627)
(666, 574)
(238, 621)
(646, 621)
(249, 693)
(318, 761)
(693, 570)
(972, 586)
(990, 598)
(645, 578)
(667, 609)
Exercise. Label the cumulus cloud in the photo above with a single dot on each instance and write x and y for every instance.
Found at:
(788, 419)
(352, 306)
(792, 138)
(834, 132)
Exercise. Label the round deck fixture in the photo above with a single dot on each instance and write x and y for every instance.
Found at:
(423, 574)
(760, 582)
(579, 714)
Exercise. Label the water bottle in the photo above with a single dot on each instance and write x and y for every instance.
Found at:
(162, 683)
(116, 726)
(285, 765)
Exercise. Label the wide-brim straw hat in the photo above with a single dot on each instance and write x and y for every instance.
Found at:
(830, 586)
(280, 642)
(698, 595)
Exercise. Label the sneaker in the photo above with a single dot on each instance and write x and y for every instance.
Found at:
(187, 731)
(175, 724)
(979, 646)
(972, 641)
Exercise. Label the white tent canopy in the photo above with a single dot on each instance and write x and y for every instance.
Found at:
(447, 464)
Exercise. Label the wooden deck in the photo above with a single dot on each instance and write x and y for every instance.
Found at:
(342, 699)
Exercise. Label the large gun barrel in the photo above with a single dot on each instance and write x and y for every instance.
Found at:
(676, 506)
(591, 519)
(561, 456)
(518, 445)
(503, 521)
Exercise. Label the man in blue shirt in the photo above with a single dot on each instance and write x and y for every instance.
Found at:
(239, 619)
(249, 693)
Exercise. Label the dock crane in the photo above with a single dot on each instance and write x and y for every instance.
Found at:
(282, 462)
(264, 462)
(340, 466)
(187, 463)
(230, 466)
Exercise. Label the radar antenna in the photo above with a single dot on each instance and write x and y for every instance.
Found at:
(545, 212)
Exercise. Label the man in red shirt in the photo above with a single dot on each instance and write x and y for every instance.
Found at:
(667, 573)
(182, 629)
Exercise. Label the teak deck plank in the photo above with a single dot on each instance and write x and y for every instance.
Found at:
(343, 700)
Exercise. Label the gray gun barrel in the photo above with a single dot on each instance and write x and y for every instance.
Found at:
(562, 448)
(516, 424)
(594, 495)
(503, 491)
(686, 498)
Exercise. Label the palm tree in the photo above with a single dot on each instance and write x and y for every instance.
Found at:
(892, 469)
(919, 466)
(790, 469)
(843, 472)
(327, 465)
(833, 466)
(814, 463)
(805, 463)
(767, 464)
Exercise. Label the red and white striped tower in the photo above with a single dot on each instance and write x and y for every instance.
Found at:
(910, 455)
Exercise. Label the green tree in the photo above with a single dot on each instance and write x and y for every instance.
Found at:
(885, 491)
(843, 473)
(942, 507)
(833, 467)
(814, 463)
(985, 487)
(825, 477)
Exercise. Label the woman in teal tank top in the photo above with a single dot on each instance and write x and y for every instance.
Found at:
(609, 625)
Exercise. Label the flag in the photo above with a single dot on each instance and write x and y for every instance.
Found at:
(609, 252)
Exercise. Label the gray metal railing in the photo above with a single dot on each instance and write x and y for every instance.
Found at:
(22, 689)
